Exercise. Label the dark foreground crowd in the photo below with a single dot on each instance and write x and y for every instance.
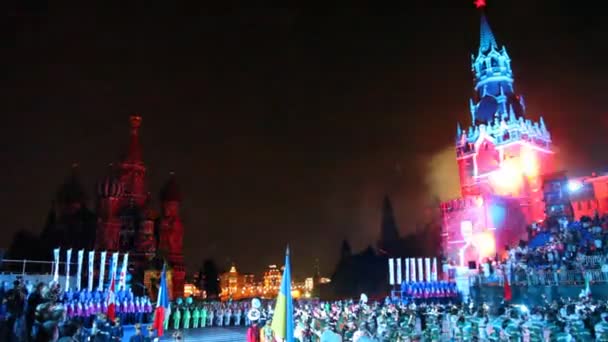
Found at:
(44, 313)
(41, 315)
(583, 319)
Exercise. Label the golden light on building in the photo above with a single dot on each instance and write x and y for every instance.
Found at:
(309, 283)
(243, 286)
(324, 281)
(190, 290)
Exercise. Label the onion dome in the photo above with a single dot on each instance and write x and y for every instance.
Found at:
(71, 191)
(110, 186)
(170, 191)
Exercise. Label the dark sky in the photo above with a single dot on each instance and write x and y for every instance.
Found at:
(282, 125)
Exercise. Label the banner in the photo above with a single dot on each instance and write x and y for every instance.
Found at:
(56, 264)
(407, 270)
(67, 269)
(102, 271)
(122, 284)
(91, 260)
(114, 265)
(413, 269)
(391, 271)
(399, 280)
(78, 274)
(427, 268)
(420, 270)
(434, 276)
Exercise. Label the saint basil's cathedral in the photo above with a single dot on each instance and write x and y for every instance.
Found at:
(123, 221)
(506, 164)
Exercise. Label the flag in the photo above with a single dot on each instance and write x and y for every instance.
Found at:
(114, 265)
(391, 271)
(111, 301)
(163, 309)
(282, 320)
(102, 269)
(67, 269)
(507, 288)
(91, 259)
(56, 270)
(122, 283)
(78, 273)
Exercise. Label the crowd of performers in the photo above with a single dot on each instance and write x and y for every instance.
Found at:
(40, 313)
(188, 314)
(85, 305)
(435, 291)
(583, 319)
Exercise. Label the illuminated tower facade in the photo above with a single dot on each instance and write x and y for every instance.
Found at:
(501, 158)
(502, 152)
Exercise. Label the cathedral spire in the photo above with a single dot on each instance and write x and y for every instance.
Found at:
(134, 154)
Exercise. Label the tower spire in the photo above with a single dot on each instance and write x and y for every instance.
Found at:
(134, 154)
(486, 36)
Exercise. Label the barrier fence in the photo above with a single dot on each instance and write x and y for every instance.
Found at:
(543, 277)
(25, 266)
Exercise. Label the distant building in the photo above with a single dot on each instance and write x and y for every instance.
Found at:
(234, 285)
(124, 219)
(272, 278)
(589, 195)
(309, 284)
(190, 290)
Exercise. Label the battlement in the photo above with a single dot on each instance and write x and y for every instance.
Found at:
(502, 132)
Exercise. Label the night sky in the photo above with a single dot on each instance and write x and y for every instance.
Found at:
(282, 125)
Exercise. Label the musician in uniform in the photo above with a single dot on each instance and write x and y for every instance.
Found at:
(253, 332)
(267, 335)
(238, 313)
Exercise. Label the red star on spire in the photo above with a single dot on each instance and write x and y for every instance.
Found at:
(480, 3)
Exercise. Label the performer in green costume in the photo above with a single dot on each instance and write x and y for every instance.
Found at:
(186, 318)
(177, 316)
(195, 317)
(203, 317)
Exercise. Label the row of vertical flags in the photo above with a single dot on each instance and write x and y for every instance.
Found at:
(122, 280)
(411, 270)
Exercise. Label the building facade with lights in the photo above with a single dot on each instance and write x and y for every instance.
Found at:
(502, 157)
(236, 286)
(589, 195)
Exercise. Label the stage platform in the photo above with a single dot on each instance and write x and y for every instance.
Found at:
(214, 334)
